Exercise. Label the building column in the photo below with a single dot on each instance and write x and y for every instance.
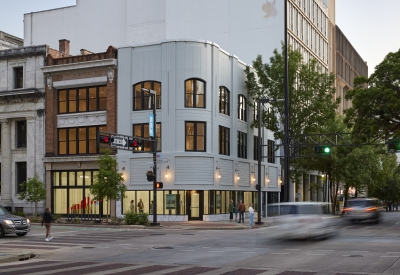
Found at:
(6, 164)
(31, 140)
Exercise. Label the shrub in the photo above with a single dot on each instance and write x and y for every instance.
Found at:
(116, 220)
(56, 217)
(133, 218)
(21, 214)
(37, 219)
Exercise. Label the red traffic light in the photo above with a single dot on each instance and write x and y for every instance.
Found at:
(134, 143)
(159, 185)
(104, 139)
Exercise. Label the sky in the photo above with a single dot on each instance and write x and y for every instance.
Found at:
(371, 26)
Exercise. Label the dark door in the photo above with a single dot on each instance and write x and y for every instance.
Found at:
(195, 205)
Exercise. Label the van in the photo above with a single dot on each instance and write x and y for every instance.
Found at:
(362, 209)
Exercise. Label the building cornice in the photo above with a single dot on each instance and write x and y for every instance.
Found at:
(80, 65)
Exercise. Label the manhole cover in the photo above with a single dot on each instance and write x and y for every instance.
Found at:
(163, 247)
(356, 256)
(88, 247)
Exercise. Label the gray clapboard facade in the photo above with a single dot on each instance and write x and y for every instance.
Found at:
(205, 140)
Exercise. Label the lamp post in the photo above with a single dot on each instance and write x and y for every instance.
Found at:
(286, 126)
(153, 138)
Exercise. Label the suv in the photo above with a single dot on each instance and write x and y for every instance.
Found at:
(362, 209)
(12, 224)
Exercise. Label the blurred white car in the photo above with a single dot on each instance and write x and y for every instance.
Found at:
(302, 220)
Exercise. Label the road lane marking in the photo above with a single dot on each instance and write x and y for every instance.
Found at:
(130, 248)
(231, 247)
(389, 256)
(315, 254)
(205, 247)
(52, 233)
(248, 252)
(280, 253)
(293, 249)
(359, 251)
(216, 251)
(186, 250)
(325, 250)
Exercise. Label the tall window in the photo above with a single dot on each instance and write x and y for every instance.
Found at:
(271, 151)
(142, 100)
(142, 130)
(195, 136)
(20, 177)
(77, 141)
(255, 148)
(18, 78)
(223, 141)
(224, 100)
(242, 108)
(242, 145)
(21, 133)
(82, 100)
(195, 93)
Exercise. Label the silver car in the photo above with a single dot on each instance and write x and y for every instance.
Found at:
(12, 224)
(302, 220)
(362, 209)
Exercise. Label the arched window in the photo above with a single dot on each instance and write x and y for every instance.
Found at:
(242, 108)
(224, 100)
(195, 93)
(142, 100)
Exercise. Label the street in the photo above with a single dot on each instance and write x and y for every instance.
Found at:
(357, 249)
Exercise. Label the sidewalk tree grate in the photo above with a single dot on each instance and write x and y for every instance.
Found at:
(163, 247)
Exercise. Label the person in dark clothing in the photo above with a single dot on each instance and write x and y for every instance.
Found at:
(241, 209)
(47, 219)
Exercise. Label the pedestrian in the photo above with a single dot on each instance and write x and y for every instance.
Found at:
(141, 206)
(132, 206)
(47, 219)
(251, 215)
(230, 209)
(241, 209)
(236, 212)
(151, 207)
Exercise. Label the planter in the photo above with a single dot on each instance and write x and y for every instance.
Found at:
(150, 177)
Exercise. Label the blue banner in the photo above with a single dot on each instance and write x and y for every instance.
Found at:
(151, 125)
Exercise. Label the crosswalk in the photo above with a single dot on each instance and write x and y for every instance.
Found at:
(43, 267)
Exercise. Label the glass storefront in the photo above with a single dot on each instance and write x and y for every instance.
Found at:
(71, 194)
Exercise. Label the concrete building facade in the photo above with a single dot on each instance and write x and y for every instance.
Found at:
(205, 141)
(22, 117)
(8, 41)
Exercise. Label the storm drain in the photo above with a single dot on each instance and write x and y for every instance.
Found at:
(163, 247)
(27, 256)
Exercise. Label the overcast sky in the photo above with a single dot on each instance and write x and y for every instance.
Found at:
(370, 25)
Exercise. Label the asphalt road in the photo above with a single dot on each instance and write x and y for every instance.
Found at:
(356, 249)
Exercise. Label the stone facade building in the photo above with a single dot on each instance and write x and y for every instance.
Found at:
(80, 100)
(8, 41)
(22, 117)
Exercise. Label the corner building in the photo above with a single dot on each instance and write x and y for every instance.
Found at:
(205, 143)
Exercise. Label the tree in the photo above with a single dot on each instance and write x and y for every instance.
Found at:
(34, 191)
(311, 92)
(108, 183)
(376, 100)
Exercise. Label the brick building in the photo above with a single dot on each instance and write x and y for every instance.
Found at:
(80, 99)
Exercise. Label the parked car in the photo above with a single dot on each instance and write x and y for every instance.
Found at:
(362, 209)
(12, 224)
(302, 220)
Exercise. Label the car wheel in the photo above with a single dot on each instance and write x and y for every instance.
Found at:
(22, 234)
(2, 233)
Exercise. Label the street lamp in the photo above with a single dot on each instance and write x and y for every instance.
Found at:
(153, 138)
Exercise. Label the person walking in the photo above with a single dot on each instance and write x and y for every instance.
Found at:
(236, 212)
(47, 219)
(251, 215)
(230, 209)
(241, 209)
(141, 206)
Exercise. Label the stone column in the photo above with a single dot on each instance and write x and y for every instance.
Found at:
(31, 140)
(6, 164)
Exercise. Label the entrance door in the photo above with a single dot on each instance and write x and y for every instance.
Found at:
(195, 205)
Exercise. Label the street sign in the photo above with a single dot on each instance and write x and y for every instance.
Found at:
(151, 125)
(118, 141)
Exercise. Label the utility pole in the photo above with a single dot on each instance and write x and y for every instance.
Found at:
(286, 126)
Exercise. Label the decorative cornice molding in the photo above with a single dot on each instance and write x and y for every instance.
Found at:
(82, 119)
(81, 65)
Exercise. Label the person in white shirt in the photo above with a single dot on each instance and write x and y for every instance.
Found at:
(251, 215)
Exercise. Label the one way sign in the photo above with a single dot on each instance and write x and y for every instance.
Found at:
(119, 141)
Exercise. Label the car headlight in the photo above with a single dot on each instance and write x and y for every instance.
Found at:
(8, 222)
(28, 221)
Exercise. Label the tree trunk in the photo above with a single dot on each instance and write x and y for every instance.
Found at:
(36, 206)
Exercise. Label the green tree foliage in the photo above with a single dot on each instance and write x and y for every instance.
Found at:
(108, 183)
(311, 103)
(34, 191)
(311, 93)
(376, 100)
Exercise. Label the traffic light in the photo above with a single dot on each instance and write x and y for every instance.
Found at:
(134, 143)
(104, 139)
(394, 145)
(159, 185)
(258, 187)
(322, 150)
